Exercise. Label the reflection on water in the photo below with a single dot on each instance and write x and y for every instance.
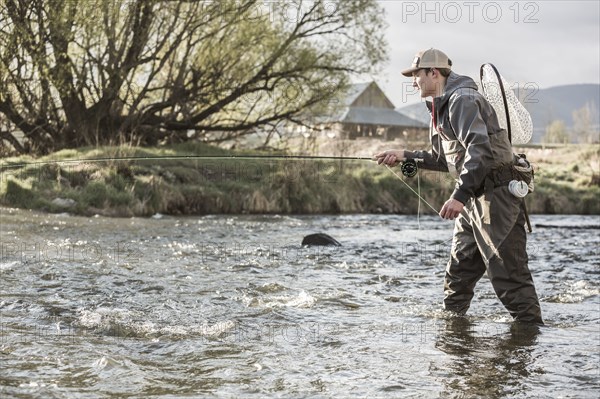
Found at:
(493, 361)
(234, 306)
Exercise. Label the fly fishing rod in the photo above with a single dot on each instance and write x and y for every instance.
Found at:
(407, 167)
(6, 165)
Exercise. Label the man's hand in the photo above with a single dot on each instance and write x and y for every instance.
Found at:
(451, 209)
(389, 157)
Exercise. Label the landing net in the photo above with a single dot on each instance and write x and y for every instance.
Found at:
(512, 115)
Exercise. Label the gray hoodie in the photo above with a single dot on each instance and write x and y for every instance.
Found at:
(466, 138)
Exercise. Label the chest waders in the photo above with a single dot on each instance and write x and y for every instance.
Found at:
(489, 234)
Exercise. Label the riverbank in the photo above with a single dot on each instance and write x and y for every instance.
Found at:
(567, 181)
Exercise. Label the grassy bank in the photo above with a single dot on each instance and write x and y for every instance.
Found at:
(566, 182)
(567, 179)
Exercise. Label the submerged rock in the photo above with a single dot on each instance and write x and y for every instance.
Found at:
(320, 239)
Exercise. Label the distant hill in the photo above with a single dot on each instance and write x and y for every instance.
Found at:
(544, 105)
(559, 103)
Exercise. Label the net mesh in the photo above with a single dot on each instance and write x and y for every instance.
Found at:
(521, 126)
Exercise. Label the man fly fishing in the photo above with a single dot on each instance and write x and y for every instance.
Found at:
(489, 230)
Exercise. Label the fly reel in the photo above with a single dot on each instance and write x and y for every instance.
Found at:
(409, 168)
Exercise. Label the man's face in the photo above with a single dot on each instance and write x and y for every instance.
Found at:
(423, 79)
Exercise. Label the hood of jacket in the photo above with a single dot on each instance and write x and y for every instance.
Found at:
(453, 83)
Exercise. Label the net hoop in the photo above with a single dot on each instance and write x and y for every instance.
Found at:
(512, 115)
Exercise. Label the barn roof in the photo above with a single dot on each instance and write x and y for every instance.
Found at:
(379, 116)
(385, 116)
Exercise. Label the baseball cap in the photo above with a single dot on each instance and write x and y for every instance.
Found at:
(431, 58)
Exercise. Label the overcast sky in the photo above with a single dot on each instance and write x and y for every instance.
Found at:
(533, 43)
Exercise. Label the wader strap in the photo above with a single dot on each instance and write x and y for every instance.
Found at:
(487, 199)
(527, 216)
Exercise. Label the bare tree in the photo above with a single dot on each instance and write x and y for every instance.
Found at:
(95, 72)
(585, 124)
(556, 133)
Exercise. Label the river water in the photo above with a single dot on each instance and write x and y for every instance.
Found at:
(234, 306)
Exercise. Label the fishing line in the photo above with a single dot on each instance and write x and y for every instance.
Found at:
(411, 189)
(419, 202)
